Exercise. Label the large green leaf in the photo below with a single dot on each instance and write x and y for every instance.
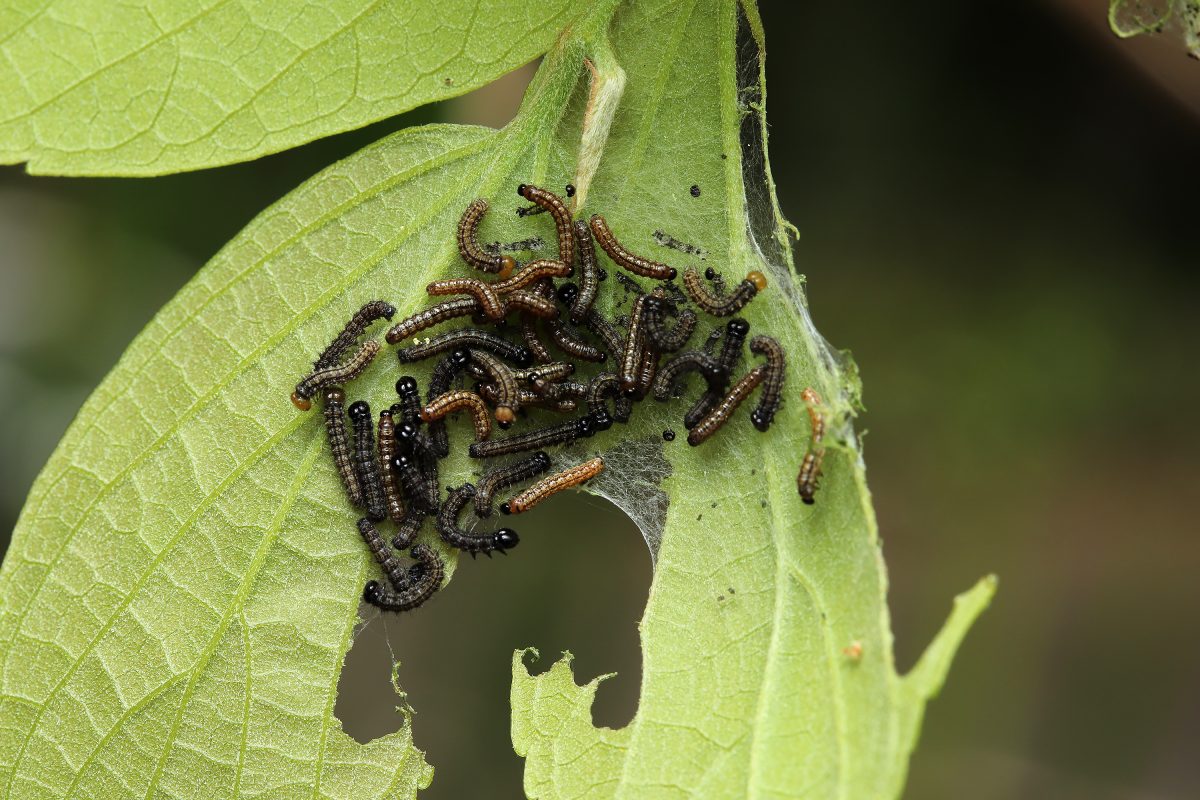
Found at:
(148, 88)
(184, 579)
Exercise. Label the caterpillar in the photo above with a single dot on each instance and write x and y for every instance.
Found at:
(531, 273)
(467, 337)
(503, 477)
(358, 324)
(689, 361)
(453, 401)
(469, 248)
(772, 388)
(562, 433)
(410, 399)
(605, 385)
(483, 294)
(387, 452)
(562, 218)
(407, 530)
(365, 464)
(408, 470)
(605, 332)
(589, 278)
(528, 397)
(663, 340)
(631, 358)
(623, 258)
(541, 354)
(447, 526)
(530, 303)
(570, 343)
(647, 369)
(441, 380)
(810, 466)
(507, 401)
(553, 484)
(727, 361)
(396, 574)
(425, 578)
(334, 376)
(723, 305)
(554, 371)
(717, 417)
(434, 315)
(339, 443)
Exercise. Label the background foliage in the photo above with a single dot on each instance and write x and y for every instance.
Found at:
(1051, 349)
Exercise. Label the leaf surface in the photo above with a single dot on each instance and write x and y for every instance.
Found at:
(150, 88)
(185, 578)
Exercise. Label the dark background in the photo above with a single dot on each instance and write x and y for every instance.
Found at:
(998, 207)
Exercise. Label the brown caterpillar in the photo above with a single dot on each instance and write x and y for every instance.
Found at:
(552, 485)
(387, 452)
(434, 315)
(447, 526)
(810, 467)
(717, 417)
(723, 305)
(455, 401)
(482, 292)
(503, 477)
(441, 380)
(334, 376)
(365, 465)
(468, 244)
(358, 324)
(339, 442)
(466, 337)
(647, 369)
(570, 343)
(589, 275)
(772, 388)
(527, 398)
(562, 218)
(507, 401)
(531, 273)
(623, 258)
(530, 303)
(425, 578)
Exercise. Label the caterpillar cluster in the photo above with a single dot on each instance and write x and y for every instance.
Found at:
(389, 464)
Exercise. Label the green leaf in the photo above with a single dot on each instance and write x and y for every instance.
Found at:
(150, 88)
(184, 580)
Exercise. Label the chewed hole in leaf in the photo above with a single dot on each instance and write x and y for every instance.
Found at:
(578, 582)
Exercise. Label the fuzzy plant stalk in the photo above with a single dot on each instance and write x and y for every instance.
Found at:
(184, 579)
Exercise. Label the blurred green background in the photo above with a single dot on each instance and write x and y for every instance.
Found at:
(998, 207)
